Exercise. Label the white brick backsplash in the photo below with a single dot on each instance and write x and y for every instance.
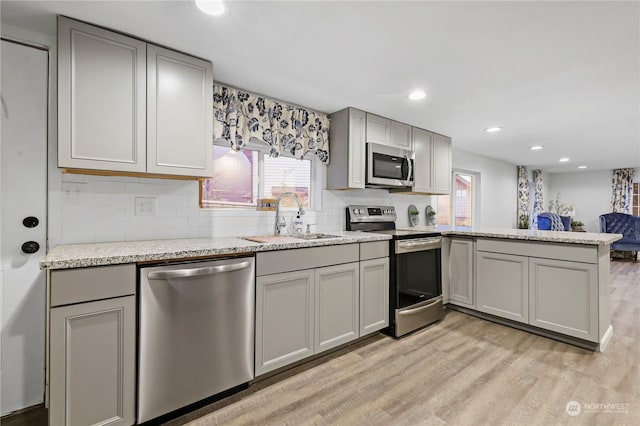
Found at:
(103, 210)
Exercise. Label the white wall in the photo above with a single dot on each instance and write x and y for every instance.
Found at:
(589, 191)
(498, 188)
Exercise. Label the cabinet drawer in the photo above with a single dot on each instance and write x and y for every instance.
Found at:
(86, 284)
(374, 250)
(572, 252)
(273, 262)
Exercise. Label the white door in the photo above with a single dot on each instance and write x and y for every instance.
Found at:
(23, 189)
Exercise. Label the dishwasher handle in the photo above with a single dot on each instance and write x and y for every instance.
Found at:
(198, 272)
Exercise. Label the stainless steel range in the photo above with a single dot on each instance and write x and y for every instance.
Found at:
(415, 281)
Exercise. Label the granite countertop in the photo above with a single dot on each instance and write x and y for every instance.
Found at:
(587, 238)
(98, 254)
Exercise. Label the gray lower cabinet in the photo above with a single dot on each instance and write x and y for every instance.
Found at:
(91, 346)
(563, 297)
(374, 295)
(336, 305)
(284, 319)
(461, 272)
(502, 285)
(340, 293)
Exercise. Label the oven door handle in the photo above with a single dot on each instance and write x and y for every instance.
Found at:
(420, 309)
(422, 245)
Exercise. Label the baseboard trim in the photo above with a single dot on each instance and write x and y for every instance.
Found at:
(585, 344)
(24, 415)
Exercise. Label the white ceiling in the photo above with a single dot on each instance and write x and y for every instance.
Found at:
(564, 75)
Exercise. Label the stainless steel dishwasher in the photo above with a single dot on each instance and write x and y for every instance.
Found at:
(196, 332)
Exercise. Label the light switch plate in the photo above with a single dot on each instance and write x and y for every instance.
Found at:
(145, 206)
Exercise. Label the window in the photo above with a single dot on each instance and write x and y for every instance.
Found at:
(241, 178)
(460, 209)
(635, 199)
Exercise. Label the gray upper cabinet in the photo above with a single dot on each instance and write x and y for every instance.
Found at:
(400, 135)
(423, 171)
(101, 99)
(432, 172)
(388, 132)
(179, 113)
(441, 162)
(378, 129)
(348, 145)
(128, 106)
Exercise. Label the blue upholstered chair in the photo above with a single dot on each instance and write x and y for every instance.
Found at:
(553, 222)
(625, 224)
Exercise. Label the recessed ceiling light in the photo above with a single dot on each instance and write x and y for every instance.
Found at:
(416, 95)
(582, 167)
(563, 160)
(211, 7)
(492, 129)
(536, 147)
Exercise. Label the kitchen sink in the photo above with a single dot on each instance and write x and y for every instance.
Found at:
(289, 238)
(315, 236)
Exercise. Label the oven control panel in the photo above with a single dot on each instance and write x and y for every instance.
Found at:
(371, 214)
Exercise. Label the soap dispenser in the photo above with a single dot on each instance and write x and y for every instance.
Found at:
(298, 224)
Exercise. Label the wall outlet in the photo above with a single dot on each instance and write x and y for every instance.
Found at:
(72, 191)
(145, 206)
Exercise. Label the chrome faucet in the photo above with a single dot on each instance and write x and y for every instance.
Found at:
(280, 221)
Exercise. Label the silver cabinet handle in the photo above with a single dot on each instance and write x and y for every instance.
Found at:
(426, 244)
(198, 272)
(418, 310)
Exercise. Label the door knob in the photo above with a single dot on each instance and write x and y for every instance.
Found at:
(30, 247)
(30, 222)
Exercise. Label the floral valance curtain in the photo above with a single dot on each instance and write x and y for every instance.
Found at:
(538, 201)
(240, 116)
(622, 185)
(523, 198)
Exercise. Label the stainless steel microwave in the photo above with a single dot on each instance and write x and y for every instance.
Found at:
(389, 167)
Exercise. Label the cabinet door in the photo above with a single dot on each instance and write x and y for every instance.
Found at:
(357, 144)
(422, 172)
(92, 361)
(284, 319)
(374, 295)
(563, 297)
(179, 114)
(101, 99)
(502, 284)
(378, 129)
(461, 272)
(441, 164)
(400, 135)
(336, 305)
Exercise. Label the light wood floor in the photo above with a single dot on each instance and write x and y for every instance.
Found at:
(462, 371)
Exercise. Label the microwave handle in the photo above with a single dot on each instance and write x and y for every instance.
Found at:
(408, 181)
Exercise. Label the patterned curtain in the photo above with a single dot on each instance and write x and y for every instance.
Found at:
(523, 198)
(622, 185)
(241, 116)
(538, 201)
